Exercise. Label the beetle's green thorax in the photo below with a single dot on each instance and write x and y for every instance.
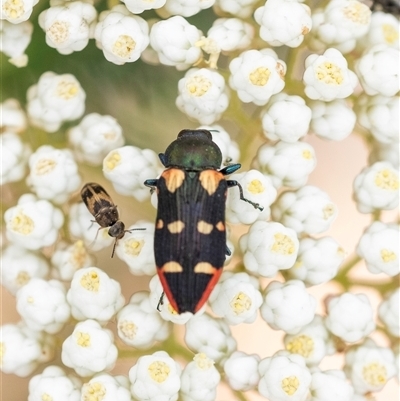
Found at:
(193, 150)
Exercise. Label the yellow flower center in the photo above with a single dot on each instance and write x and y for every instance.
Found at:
(290, 385)
(94, 391)
(260, 76)
(14, 8)
(198, 85)
(82, 339)
(390, 34)
(22, 224)
(302, 345)
(357, 12)
(45, 166)
(255, 187)
(22, 278)
(240, 303)
(90, 281)
(375, 374)
(67, 89)
(283, 244)
(203, 362)
(387, 179)
(124, 46)
(329, 73)
(111, 161)
(133, 246)
(129, 329)
(59, 31)
(387, 255)
(159, 371)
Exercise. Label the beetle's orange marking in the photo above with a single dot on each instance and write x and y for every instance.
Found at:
(160, 224)
(172, 267)
(204, 267)
(220, 226)
(176, 227)
(211, 284)
(203, 227)
(174, 178)
(210, 180)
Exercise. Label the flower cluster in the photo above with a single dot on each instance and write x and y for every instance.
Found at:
(274, 82)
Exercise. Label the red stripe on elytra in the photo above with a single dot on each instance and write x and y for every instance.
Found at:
(209, 288)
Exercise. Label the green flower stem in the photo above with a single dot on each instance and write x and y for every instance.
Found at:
(341, 277)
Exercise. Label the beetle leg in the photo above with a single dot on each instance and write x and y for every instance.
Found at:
(152, 184)
(161, 301)
(234, 183)
(228, 252)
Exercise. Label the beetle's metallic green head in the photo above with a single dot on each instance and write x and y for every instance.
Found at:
(193, 150)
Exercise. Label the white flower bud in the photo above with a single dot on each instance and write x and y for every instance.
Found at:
(138, 6)
(186, 8)
(269, 247)
(13, 118)
(140, 324)
(256, 75)
(105, 387)
(33, 224)
(16, 11)
(155, 378)
(202, 95)
(388, 312)
(377, 188)
(54, 384)
(53, 174)
(327, 77)
(350, 316)
(379, 246)
(307, 210)
(239, 8)
(330, 385)
(54, 100)
(284, 377)
(287, 164)
(89, 349)
(241, 371)
(257, 188)
(94, 295)
(288, 306)
(128, 167)
(121, 35)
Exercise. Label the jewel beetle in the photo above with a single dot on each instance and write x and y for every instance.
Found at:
(105, 212)
(190, 235)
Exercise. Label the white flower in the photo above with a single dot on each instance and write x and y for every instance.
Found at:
(105, 387)
(140, 324)
(202, 95)
(287, 164)
(330, 385)
(241, 371)
(379, 246)
(14, 39)
(13, 118)
(128, 167)
(155, 378)
(318, 260)
(89, 349)
(68, 258)
(350, 316)
(388, 312)
(186, 8)
(14, 157)
(54, 100)
(33, 223)
(121, 35)
(377, 188)
(18, 266)
(378, 70)
(94, 137)
(256, 75)
(269, 247)
(286, 118)
(240, 8)
(369, 367)
(138, 6)
(257, 188)
(283, 22)
(43, 305)
(53, 174)
(284, 377)
(54, 384)
(313, 342)
(307, 210)
(67, 25)
(236, 298)
(94, 295)
(175, 40)
(287, 306)
(16, 11)
(22, 349)
(327, 77)
(199, 379)
(210, 336)
(379, 115)
(333, 120)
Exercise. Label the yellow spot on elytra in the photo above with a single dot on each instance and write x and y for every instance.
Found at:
(390, 34)
(159, 371)
(82, 339)
(357, 12)
(307, 154)
(94, 391)
(260, 76)
(198, 85)
(202, 361)
(59, 31)
(46, 397)
(133, 246)
(210, 180)
(204, 227)
(67, 89)
(172, 267)
(375, 374)
(128, 329)
(283, 244)
(45, 166)
(329, 73)
(204, 267)
(124, 46)
(328, 211)
(387, 255)
(220, 226)
(255, 187)
(302, 345)
(240, 303)
(159, 224)
(22, 278)
(174, 178)
(112, 160)
(290, 384)
(176, 227)
(13, 8)
(22, 224)
(90, 281)
(387, 179)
